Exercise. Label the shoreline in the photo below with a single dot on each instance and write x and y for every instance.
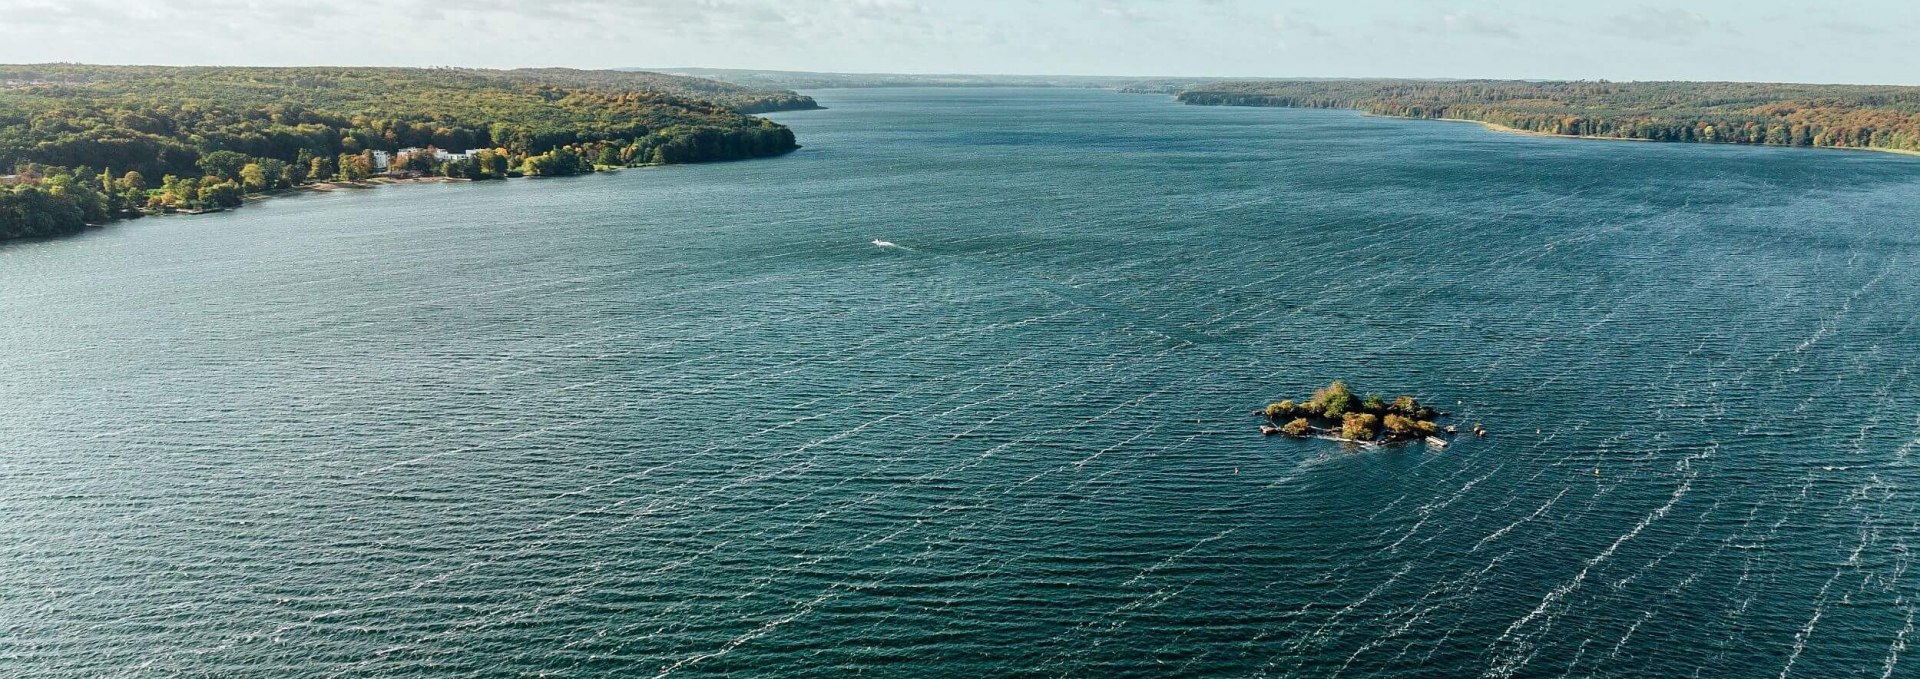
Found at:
(331, 186)
(1497, 127)
(324, 187)
(321, 187)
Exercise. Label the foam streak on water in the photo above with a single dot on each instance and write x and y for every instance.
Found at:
(700, 421)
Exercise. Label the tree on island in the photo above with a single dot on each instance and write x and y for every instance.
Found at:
(1334, 401)
(1355, 418)
(1360, 426)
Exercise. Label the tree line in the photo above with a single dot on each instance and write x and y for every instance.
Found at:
(85, 144)
(1836, 116)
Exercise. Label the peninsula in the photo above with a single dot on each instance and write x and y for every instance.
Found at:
(1882, 118)
(84, 145)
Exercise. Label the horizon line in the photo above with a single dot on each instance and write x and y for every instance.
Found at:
(669, 70)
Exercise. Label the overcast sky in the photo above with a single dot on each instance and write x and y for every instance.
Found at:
(1858, 41)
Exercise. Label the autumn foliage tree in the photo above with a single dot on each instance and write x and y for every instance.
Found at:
(262, 129)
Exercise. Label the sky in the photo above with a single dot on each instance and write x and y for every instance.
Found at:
(1831, 41)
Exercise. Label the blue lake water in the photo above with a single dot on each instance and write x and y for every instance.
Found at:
(692, 421)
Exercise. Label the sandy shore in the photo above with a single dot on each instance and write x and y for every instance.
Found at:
(375, 183)
(333, 186)
(330, 186)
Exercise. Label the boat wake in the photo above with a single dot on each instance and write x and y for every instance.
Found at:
(890, 244)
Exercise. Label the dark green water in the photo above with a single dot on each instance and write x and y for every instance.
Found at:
(692, 422)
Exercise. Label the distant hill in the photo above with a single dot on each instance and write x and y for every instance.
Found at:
(742, 98)
(803, 80)
(1773, 114)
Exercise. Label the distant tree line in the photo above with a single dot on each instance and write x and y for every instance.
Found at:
(1837, 116)
(741, 98)
(86, 144)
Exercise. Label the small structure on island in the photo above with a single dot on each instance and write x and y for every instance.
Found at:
(1337, 413)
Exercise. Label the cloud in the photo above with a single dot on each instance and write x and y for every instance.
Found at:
(1855, 28)
(1450, 24)
(41, 15)
(1659, 24)
(1295, 25)
(1131, 12)
(1477, 25)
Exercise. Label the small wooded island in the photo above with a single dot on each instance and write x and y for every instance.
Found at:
(1336, 412)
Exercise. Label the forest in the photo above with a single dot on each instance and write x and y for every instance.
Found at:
(83, 144)
(1835, 116)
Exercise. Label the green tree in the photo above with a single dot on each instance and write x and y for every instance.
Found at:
(253, 178)
(463, 168)
(354, 167)
(493, 164)
(560, 161)
(279, 173)
(322, 169)
(132, 184)
(80, 193)
(276, 172)
(109, 191)
(222, 193)
(422, 162)
(178, 192)
(28, 211)
(1335, 400)
(1400, 425)
(1360, 426)
(223, 164)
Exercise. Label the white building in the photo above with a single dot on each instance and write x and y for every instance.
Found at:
(441, 155)
(381, 161)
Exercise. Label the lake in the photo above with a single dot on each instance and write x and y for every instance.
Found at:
(692, 421)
